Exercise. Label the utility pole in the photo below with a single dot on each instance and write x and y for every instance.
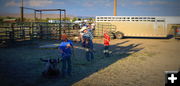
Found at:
(22, 11)
(115, 7)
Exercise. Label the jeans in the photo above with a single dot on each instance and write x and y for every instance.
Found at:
(66, 69)
(106, 51)
(89, 54)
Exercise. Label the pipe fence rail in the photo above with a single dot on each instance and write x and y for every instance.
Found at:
(35, 30)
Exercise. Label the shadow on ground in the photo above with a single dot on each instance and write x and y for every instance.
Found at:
(20, 65)
(168, 37)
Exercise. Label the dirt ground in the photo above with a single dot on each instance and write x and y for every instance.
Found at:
(134, 62)
(143, 68)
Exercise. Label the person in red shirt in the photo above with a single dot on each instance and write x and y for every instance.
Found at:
(106, 43)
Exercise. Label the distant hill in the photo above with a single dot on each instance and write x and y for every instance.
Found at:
(37, 15)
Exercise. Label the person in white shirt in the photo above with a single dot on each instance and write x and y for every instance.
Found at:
(82, 33)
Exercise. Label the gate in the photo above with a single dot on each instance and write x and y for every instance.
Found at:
(35, 30)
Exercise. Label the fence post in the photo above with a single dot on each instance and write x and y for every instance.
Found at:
(60, 31)
(41, 32)
(31, 31)
(11, 34)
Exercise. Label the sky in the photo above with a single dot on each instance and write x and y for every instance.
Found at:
(97, 7)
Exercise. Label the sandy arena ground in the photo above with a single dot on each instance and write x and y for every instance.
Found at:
(134, 62)
(143, 68)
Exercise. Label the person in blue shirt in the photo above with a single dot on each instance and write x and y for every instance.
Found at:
(66, 52)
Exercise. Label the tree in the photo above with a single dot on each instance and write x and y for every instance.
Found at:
(47, 19)
(1, 19)
(66, 19)
(75, 18)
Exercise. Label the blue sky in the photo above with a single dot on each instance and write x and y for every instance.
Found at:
(98, 7)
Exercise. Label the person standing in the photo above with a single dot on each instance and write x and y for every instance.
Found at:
(82, 33)
(106, 44)
(66, 52)
(88, 44)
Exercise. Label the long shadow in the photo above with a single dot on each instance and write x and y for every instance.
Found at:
(120, 43)
(30, 72)
(168, 37)
(126, 49)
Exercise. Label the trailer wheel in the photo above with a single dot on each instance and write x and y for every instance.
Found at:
(112, 35)
(119, 35)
